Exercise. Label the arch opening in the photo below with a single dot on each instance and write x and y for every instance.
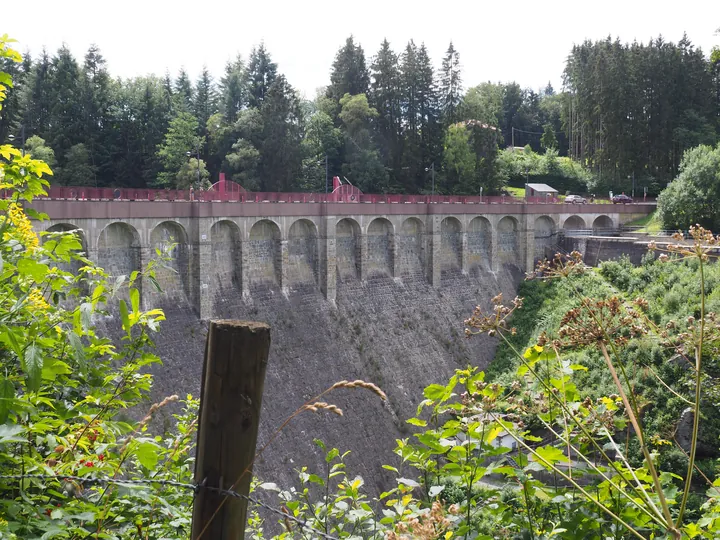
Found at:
(264, 254)
(226, 255)
(545, 236)
(451, 245)
(119, 250)
(411, 249)
(303, 253)
(347, 249)
(173, 273)
(508, 241)
(380, 238)
(574, 223)
(479, 244)
(603, 223)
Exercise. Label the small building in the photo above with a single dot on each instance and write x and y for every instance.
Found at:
(540, 190)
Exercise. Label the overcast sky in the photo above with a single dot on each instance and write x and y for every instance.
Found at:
(524, 41)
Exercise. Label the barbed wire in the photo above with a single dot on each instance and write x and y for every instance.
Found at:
(90, 480)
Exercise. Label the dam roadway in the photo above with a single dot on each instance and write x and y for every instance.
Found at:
(287, 245)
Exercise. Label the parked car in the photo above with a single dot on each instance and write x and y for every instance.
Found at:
(575, 199)
(622, 198)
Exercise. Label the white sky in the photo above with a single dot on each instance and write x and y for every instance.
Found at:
(525, 41)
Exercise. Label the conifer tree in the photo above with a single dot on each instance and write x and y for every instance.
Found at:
(205, 99)
(96, 100)
(450, 86)
(35, 98)
(349, 73)
(66, 113)
(261, 74)
(233, 89)
(282, 135)
(385, 97)
(183, 92)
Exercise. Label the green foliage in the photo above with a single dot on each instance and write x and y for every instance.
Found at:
(180, 140)
(562, 173)
(689, 199)
(65, 389)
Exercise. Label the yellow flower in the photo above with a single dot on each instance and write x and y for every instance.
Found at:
(23, 228)
(36, 300)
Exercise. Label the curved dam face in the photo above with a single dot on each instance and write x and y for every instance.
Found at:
(402, 334)
(351, 291)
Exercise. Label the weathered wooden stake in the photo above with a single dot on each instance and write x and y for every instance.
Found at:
(236, 355)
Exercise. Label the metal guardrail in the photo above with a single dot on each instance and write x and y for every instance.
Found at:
(80, 193)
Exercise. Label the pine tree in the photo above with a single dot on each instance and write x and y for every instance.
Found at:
(233, 89)
(450, 86)
(183, 94)
(429, 114)
(11, 116)
(261, 74)
(181, 138)
(282, 134)
(66, 114)
(35, 98)
(385, 97)
(96, 104)
(349, 73)
(410, 118)
(205, 102)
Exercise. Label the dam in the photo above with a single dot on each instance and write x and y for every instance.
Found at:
(352, 290)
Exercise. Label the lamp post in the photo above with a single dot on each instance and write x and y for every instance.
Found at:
(432, 169)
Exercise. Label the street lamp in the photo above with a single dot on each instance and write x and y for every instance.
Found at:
(432, 168)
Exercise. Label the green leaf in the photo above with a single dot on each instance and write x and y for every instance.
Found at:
(30, 267)
(7, 394)
(550, 454)
(86, 310)
(78, 350)
(417, 422)
(135, 300)
(147, 453)
(332, 454)
(11, 433)
(32, 365)
(124, 316)
(434, 391)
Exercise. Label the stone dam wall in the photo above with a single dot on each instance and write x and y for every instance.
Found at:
(402, 334)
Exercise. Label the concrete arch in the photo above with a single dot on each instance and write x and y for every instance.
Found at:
(574, 223)
(118, 250)
(264, 254)
(226, 255)
(603, 222)
(380, 240)
(545, 233)
(173, 274)
(479, 243)
(347, 248)
(451, 245)
(508, 232)
(303, 253)
(410, 251)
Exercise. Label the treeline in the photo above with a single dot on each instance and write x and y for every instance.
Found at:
(388, 123)
(634, 109)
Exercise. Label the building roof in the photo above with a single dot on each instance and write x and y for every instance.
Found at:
(542, 188)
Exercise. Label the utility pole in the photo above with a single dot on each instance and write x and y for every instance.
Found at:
(326, 174)
(512, 131)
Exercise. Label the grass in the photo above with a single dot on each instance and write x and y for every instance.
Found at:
(648, 224)
(518, 192)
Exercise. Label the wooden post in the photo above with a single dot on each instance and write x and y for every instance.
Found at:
(236, 355)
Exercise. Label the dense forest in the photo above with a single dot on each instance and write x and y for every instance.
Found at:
(388, 123)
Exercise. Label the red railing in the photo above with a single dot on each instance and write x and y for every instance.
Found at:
(76, 193)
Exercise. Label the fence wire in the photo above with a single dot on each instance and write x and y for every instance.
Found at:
(195, 488)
